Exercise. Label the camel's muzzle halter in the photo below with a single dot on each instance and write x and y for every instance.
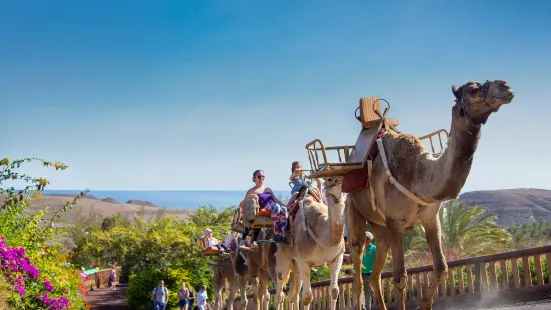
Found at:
(484, 88)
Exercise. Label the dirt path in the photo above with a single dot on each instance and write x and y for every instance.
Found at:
(105, 299)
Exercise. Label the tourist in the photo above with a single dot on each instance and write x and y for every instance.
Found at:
(269, 202)
(209, 241)
(297, 177)
(112, 278)
(160, 296)
(183, 297)
(202, 298)
(367, 267)
(191, 298)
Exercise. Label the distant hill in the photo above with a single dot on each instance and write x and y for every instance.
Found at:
(90, 205)
(513, 206)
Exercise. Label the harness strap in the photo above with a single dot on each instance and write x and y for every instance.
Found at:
(370, 184)
(393, 180)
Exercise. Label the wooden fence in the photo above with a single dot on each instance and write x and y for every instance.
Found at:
(498, 275)
(101, 278)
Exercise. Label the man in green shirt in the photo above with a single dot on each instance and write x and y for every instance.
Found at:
(367, 267)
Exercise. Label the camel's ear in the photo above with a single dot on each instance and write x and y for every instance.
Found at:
(456, 92)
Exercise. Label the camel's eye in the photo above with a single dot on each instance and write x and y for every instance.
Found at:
(472, 90)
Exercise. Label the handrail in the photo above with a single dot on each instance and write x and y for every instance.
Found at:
(477, 281)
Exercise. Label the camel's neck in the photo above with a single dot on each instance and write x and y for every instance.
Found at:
(444, 178)
(336, 220)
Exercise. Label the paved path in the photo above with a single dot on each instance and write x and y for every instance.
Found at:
(105, 299)
(533, 305)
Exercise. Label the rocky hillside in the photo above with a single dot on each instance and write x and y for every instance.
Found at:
(513, 206)
(90, 206)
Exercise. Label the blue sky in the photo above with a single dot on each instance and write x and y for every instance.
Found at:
(195, 95)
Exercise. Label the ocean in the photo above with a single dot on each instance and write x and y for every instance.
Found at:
(189, 200)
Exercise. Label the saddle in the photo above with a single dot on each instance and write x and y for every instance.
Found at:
(294, 207)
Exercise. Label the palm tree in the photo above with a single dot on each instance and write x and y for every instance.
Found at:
(471, 230)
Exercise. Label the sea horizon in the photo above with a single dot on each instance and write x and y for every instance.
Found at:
(181, 199)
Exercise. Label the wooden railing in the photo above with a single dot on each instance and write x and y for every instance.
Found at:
(100, 278)
(504, 273)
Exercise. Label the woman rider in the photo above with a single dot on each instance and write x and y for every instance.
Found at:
(269, 202)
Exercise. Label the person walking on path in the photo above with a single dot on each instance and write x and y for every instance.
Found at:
(191, 298)
(113, 278)
(202, 298)
(160, 296)
(367, 261)
(183, 297)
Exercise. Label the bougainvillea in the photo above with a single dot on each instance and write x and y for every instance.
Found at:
(32, 264)
(18, 269)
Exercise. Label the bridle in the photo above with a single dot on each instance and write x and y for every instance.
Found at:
(484, 88)
(330, 182)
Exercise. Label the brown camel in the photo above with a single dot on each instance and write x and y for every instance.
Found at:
(430, 181)
(259, 268)
(321, 243)
(223, 271)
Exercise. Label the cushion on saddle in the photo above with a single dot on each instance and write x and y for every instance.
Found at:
(358, 178)
(263, 212)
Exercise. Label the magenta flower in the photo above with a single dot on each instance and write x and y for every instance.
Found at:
(17, 267)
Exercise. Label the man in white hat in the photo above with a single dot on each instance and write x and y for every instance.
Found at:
(367, 267)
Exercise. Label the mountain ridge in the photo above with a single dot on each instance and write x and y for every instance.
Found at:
(513, 206)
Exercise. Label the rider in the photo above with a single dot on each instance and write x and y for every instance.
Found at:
(319, 186)
(269, 202)
(297, 176)
(209, 241)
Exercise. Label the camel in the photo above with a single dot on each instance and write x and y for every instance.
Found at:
(430, 181)
(260, 269)
(322, 243)
(224, 271)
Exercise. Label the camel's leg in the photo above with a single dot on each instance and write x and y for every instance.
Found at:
(219, 283)
(294, 289)
(263, 294)
(283, 268)
(307, 295)
(242, 283)
(256, 292)
(433, 235)
(334, 268)
(381, 235)
(233, 291)
(399, 269)
(356, 239)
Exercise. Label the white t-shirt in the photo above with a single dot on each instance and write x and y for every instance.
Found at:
(212, 241)
(201, 299)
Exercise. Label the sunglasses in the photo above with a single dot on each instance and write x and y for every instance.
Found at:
(260, 177)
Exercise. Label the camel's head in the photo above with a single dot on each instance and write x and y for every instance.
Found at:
(333, 187)
(477, 101)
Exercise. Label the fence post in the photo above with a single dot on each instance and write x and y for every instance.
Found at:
(477, 280)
